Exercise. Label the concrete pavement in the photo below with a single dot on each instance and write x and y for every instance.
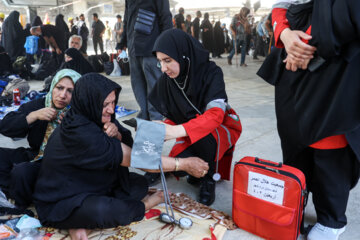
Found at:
(253, 99)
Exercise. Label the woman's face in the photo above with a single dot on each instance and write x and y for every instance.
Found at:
(67, 58)
(108, 107)
(168, 65)
(61, 94)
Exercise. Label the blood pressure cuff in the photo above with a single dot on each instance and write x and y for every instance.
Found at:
(148, 145)
(144, 22)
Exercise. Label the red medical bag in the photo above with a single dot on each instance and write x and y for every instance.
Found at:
(268, 198)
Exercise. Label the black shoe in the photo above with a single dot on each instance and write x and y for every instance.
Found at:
(152, 178)
(192, 180)
(255, 58)
(207, 191)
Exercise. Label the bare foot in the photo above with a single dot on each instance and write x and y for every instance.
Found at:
(79, 233)
(151, 201)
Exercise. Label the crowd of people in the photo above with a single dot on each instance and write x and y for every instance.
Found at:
(75, 170)
(243, 34)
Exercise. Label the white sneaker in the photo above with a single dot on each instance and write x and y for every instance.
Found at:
(320, 232)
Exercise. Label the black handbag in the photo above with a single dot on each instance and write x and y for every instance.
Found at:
(108, 67)
(124, 66)
(144, 21)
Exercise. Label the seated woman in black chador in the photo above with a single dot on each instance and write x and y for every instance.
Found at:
(75, 60)
(84, 182)
(35, 120)
(191, 95)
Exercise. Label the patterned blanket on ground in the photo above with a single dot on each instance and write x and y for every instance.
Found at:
(208, 224)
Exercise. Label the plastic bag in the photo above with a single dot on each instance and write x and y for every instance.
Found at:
(6, 232)
(117, 71)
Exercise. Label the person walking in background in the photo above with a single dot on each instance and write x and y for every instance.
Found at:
(188, 24)
(262, 42)
(226, 37)
(180, 20)
(118, 29)
(207, 33)
(219, 41)
(140, 40)
(98, 30)
(195, 28)
(72, 26)
(239, 26)
(83, 31)
(108, 35)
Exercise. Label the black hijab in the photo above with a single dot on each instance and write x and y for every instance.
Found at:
(36, 22)
(13, 36)
(61, 24)
(202, 81)
(78, 62)
(87, 100)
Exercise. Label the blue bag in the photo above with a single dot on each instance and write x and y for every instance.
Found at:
(3, 83)
(31, 44)
(144, 21)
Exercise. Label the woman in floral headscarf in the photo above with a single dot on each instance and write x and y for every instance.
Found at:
(35, 120)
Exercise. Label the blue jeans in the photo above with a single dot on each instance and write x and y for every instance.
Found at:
(243, 50)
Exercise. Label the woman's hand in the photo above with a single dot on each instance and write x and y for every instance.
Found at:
(61, 117)
(294, 45)
(112, 130)
(194, 166)
(293, 65)
(44, 114)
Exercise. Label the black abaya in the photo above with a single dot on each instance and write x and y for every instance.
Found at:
(63, 27)
(81, 171)
(219, 40)
(207, 34)
(13, 36)
(78, 62)
(323, 101)
(196, 27)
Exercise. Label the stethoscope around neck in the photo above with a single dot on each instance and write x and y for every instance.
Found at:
(216, 176)
(184, 223)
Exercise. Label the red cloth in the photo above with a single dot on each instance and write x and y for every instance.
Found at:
(279, 16)
(333, 142)
(204, 124)
(280, 22)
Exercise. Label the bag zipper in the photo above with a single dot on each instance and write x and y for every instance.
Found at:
(288, 174)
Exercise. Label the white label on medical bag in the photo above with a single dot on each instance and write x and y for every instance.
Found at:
(266, 188)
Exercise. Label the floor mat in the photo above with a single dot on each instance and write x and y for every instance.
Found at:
(208, 224)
